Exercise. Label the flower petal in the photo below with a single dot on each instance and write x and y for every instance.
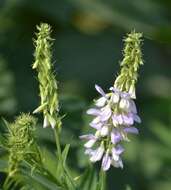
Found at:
(90, 143)
(96, 120)
(133, 108)
(100, 90)
(128, 119)
(115, 97)
(117, 164)
(87, 137)
(119, 149)
(132, 92)
(100, 102)
(106, 113)
(96, 125)
(93, 111)
(104, 131)
(131, 130)
(137, 118)
(89, 151)
(124, 104)
(119, 119)
(45, 122)
(114, 120)
(114, 155)
(97, 155)
(115, 136)
(106, 162)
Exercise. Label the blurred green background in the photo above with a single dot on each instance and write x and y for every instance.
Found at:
(87, 50)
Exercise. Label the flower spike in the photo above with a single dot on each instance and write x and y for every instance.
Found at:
(115, 113)
(47, 82)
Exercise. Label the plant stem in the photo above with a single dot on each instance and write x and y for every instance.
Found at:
(70, 178)
(5, 185)
(102, 180)
(58, 146)
(59, 152)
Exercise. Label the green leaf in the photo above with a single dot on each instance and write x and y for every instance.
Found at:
(43, 180)
(65, 154)
(102, 180)
(88, 180)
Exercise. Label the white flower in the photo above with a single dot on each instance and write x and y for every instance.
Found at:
(106, 162)
(115, 97)
(90, 143)
(101, 102)
(45, 122)
(97, 154)
(124, 104)
(104, 131)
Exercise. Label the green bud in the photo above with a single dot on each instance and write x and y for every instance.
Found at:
(20, 140)
(130, 64)
(47, 83)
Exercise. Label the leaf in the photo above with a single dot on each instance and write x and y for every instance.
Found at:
(88, 180)
(42, 179)
(40, 108)
(65, 154)
(102, 180)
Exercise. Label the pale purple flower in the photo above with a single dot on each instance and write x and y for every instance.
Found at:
(124, 104)
(89, 151)
(91, 140)
(104, 131)
(101, 102)
(118, 163)
(88, 137)
(116, 151)
(128, 119)
(137, 118)
(115, 136)
(90, 143)
(119, 149)
(96, 125)
(100, 90)
(131, 130)
(93, 111)
(105, 113)
(133, 108)
(96, 120)
(106, 162)
(115, 97)
(97, 154)
(114, 116)
(117, 119)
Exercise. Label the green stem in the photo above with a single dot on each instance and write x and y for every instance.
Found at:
(59, 152)
(58, 146)
(5, 185)
(102, 180)
(70, 178)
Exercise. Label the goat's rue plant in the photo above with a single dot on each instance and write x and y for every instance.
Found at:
(115, 114)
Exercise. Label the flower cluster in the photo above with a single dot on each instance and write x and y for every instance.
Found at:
(20, 140)
(130, 64)
(115, 114)
(47, 82)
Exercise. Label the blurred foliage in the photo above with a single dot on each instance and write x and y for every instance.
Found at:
(88, 35)
(7, 99)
